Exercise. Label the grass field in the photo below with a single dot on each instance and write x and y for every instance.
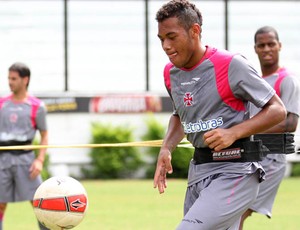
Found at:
(135, 205)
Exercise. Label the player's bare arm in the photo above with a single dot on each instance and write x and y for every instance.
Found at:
(173, 136)
(287, 125)
(37, 164)
(272, 113)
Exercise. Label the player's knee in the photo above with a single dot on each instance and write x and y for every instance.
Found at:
(2, 207)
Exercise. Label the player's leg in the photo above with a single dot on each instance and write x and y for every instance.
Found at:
(263, 204)
(2, 210)
(26, 187)
(244, 217)
(41, 226)
(218, 202)
(6, 191)
(236, 225)
(268, 189)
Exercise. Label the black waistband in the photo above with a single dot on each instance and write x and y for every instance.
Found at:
(12, 143)
(16, 152)
(16, 143)
(277, 142)
(242, 150)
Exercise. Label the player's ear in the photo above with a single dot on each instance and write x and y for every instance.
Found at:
(196, 30)
(26, 81)
(255, 49)
(280, 45)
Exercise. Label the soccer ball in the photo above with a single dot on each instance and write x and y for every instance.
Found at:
(60, 203)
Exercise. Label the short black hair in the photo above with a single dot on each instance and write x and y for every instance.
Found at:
(22, 69)
(266, 29)
(186, 12)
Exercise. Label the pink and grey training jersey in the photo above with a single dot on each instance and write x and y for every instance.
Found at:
(215, 92)
(20, 120)
(287, 88)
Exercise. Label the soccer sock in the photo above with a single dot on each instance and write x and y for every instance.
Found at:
(1, 220)
(42, 227)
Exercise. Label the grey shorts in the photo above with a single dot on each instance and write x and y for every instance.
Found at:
(218, 201)
(15, 184)
(268, 189)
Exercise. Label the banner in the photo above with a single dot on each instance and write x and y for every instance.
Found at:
(110, 103)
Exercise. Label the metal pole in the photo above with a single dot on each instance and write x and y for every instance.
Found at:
(147, 43)
(66, 44)
(226, 24)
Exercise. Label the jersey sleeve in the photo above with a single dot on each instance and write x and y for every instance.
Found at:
(41, 122)
(167, 80)
(290, 94)
(246, 84)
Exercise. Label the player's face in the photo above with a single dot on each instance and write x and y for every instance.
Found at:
(16, 83)
(177, 43)
(267, 48)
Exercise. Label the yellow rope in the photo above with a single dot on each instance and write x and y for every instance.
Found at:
(155, 143)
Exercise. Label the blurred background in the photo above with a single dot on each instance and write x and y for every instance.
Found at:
(112, 46)
(101, 61)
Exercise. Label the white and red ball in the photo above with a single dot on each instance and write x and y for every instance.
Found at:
(60, 203)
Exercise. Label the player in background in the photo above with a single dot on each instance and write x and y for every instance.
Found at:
(20, 116)
(210, 90)
(267, 47)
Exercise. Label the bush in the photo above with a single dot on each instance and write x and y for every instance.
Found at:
(112, 162)
(180, 156)
(295, 170)
(155, 131)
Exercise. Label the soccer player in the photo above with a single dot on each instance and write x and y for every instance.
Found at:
(210, 89)
(20, 116)
(267, 47)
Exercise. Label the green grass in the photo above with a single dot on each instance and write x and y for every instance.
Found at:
(135, 205)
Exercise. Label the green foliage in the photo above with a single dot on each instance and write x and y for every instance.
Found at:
(45, 172)
(180, 156)
(112, 162)
(155, 131)
(295, 170)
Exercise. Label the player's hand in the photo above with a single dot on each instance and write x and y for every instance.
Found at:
(35, 168)
(218, 139)
(163, 167)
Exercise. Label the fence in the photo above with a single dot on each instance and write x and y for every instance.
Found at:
(87, 47)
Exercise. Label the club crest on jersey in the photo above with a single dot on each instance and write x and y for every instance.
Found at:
(188, 99)
(13, 118)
